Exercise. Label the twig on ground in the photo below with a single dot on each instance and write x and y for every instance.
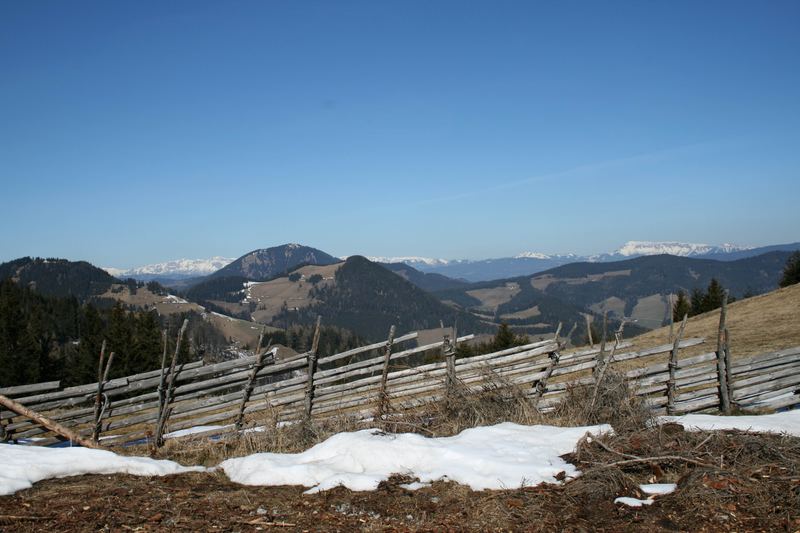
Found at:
(656, 459)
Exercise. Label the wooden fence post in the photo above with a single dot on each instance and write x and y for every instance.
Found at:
(601, 355)
(99, 397)
(728, 366)
(671, 317)
(163, 373)
(541, 384)
(383, 396)
(673, 367)
(603, 363)
(312, 368)
(571, 331)
(722, 372)
(449, 356)
(248, 388)
(163, 415)
(451, 362)
(589, 330)
(102, 379)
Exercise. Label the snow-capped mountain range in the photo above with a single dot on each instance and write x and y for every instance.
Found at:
(410, 260)
(524, 263)
(176, 269)
(531, 262)
(682, 249)
(627, 250)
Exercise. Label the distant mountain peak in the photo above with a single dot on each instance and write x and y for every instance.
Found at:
(264, 263)
(531, 255)
(410, 260)
(681, 249)
(175, 268)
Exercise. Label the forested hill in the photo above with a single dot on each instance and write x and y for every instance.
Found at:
(266, 263)
(44, 338)
(58, 277)
(426, 281)
(584, 283)
(638, 288)
(368, 298)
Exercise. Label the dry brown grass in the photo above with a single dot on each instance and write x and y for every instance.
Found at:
(497, 401)
(757, 325)
(612, 402)
(722, 474)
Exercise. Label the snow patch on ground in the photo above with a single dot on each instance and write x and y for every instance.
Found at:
(193, 430)
(785, 422)
(22, 466)
(497, 457)
(632, 502)
(658, 489)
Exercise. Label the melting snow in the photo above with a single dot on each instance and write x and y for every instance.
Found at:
(25, 465)
(497, 457)
(658, 489)
(193, 430)
(785, 422)
(632, 502)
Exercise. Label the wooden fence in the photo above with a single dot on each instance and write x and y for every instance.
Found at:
(390, 376)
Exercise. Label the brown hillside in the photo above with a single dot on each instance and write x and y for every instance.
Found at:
(757, 325)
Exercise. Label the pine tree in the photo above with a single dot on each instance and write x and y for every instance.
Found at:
(146, 350)
(504, 338)
(714, 295)
(681, 308)
(697, 301)
(791, 272)
(81, 364)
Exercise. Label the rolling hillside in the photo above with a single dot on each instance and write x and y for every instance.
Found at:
(266, 263)
(426, 281)
(528, 310)
(58, 277)
(367, 298)
(757, 325)
(638, 288)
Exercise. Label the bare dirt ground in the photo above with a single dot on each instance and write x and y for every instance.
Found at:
(727, 481)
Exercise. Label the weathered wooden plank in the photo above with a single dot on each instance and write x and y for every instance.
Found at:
(362, 349)
(775, 382)
(765, 377)
(722, 373)
(27, 389)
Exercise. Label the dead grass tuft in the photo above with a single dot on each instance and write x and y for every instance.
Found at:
(601, 485)
(498, 400)
(611, 402)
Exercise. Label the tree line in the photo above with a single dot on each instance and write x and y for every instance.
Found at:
(702, 301)
(47, 338)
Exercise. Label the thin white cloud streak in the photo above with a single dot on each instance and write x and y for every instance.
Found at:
(591, 167)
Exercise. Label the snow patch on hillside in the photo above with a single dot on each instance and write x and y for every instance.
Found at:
(786, 422)
(497, 457)
(25, 465)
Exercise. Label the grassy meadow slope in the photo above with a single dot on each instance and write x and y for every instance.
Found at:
(759, 324)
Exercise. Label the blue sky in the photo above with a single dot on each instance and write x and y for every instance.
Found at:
(135, 132)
